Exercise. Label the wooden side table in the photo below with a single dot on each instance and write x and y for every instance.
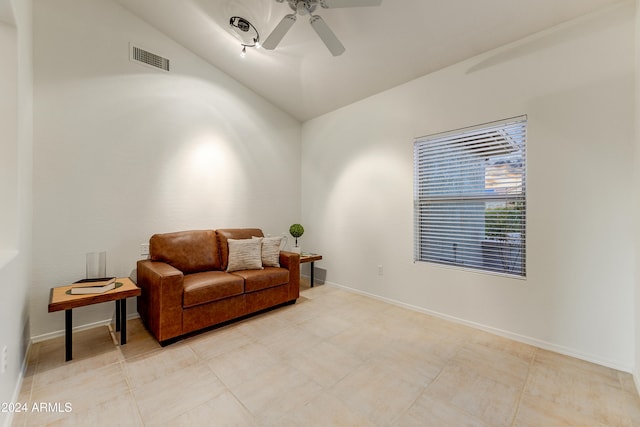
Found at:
(312, 258)
(59, 300)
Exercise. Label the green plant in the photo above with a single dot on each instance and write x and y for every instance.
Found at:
(296, 230)
(501, 221)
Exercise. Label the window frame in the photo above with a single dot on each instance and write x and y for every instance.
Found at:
(456, 204)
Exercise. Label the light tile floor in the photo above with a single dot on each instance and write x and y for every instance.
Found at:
(333, 359)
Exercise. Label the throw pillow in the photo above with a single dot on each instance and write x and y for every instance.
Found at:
(245, 254)
(270, 251)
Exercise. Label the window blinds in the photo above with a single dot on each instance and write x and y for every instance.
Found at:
(470, 197)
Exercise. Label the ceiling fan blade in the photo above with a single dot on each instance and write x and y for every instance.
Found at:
(278, 33)
(349, 3)
(328, 37)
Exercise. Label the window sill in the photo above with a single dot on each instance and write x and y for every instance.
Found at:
(472, 270)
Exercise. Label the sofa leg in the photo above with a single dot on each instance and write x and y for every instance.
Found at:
(169, 341)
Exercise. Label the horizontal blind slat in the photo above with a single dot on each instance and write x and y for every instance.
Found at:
(470, 197)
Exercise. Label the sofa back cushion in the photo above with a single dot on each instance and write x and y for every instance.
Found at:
(233, 233)
(188, 251)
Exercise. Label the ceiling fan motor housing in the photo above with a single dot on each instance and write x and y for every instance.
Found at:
(303, 7)
(307, 7)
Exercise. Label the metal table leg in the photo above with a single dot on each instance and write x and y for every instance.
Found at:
(312, 270)
(117, 315)
(67, 334)
(123, 321)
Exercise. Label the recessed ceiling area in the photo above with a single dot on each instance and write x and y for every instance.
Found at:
(385, 46)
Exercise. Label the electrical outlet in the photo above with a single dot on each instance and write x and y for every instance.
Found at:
(380, 270)
(4, 359)
(144, 249)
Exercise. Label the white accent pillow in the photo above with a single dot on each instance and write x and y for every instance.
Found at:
(245, 254)
(270, 251)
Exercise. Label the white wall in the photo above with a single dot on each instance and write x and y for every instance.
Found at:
(8, 135)
(122, 151)
(16, 85)
(575, 83)
(637, 202)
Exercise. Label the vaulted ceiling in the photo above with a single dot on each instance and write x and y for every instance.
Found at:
(385, 46)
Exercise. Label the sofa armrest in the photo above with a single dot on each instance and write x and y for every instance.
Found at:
(160, 304)
(291, 261)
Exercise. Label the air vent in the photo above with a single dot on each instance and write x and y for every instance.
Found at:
(148, 58)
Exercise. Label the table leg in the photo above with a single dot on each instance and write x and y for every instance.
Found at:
(123, 321)
(117, 315)
(312, 270)
(67, 334)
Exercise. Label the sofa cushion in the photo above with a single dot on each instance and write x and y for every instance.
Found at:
(271, 251)
(188, 251)
(245, 254)
(201, 288)
(254, 280)
(233, 233)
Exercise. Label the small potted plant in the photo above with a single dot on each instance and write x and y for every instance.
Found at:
(296, 230)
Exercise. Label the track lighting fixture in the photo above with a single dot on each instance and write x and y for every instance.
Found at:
(248, 34)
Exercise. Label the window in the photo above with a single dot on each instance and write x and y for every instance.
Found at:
(470, 197)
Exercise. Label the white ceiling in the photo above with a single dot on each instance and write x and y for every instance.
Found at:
(386, 45)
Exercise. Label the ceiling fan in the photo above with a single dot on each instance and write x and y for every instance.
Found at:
(307, 7)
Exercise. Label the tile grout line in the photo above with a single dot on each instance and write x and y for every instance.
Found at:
(41, 360)
(624, 391)
(227, 388)
(426, 387)
(524, 388)
(135, 400)
(199, 361)
(130, 387)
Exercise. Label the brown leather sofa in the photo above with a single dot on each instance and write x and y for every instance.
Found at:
(185, 285)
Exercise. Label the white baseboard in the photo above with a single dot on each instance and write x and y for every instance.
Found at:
(44, 337)
(60, 333)
(506, 334)
(16, 391)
